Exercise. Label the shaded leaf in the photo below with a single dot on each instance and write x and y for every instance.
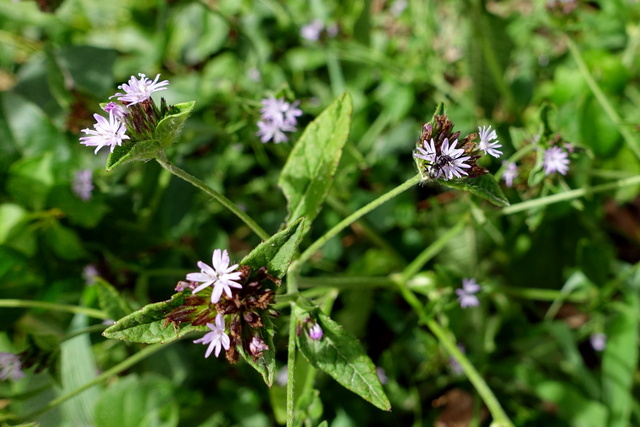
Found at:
(308, 174)
(169, 127)
(132, 151)
(341, 355)
(484, 186)
(266, 365)
(277, 252)
(148, 324)
(110, 300)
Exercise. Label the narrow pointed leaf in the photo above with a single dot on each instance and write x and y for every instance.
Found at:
(308, 174)
(132, 151)
(341, 355)
(277, 252)
(266, 365)
(484, 186)
(148, 324)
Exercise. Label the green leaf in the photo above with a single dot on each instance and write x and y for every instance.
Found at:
(620, 360)
(277, 252)
(170, 126)
(148, 324)
(64, 242)
(308, 174)
(341, 355)
(138, 402)
(132, 151)
(110, 300)
(266, 365)
(484, 186)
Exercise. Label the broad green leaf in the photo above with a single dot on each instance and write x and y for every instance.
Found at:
(484, 186)
(308, 174)
(132, 151)
(110, 300)
(169, 128)
(148, 324)
(572, 405)
(64, 242)
(149, 401)
(277, 252)
(341, 355)
(620, 361)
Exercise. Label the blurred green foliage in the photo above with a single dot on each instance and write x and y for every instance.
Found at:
(551, 275)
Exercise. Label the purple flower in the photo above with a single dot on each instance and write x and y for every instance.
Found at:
(487, 143)
(382, 375)
(139, 90)
(10, 367)
(312, 30)
(119, 112)
(220, 275)
(257, 346)
(82, 185)
(278, 116)
(89, 274)
(216, 339)
(106, 133)
(510, 173)
(448, 164)
(555, 160)
(466, 295)
(315, 332)
(598, 341)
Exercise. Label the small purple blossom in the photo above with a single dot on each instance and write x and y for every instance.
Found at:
(312, 30)
(466, 295)
(139, 90)
(257, 346)
(10, 367)
(216, 339)
(382, 375)
(104, 133)
(119, 112)
(555, 160)
(82, 185)
(220, 275)
(315, 332)
(448, 164)
(489, 141)
(598, 341)
(278, 116)
(282, 376)
(510, 173)
(89, 274)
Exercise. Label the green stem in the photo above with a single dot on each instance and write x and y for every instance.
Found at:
(431, 251)
(162, 159)
(546, 294)
(500, 418)
(291, 368)
(602, 98)
(142, 354)
(91, 312)
(87, 330)
(346, 282)
(307, 254)
(570, 195)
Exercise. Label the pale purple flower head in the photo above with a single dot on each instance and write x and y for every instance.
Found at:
(105, 132)
(89, 274)
(10, 367)
(466, 295)
(139, 90)
(82, 184)
(282, 376)
(555, 160)
(216, 339)
(220, 275)
(278, 116)
(598, 341)
(382, 375)
(119, 112)
(312, 30)
(257, 346)
(315, 332)
(510, 173)
(489, 141)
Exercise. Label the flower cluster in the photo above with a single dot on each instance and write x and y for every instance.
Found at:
(313, 30)
(441, 155)
(10, 367)
(232, 301)
(133, 117)
(278, 116)
(82, 184)
(554, 159)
